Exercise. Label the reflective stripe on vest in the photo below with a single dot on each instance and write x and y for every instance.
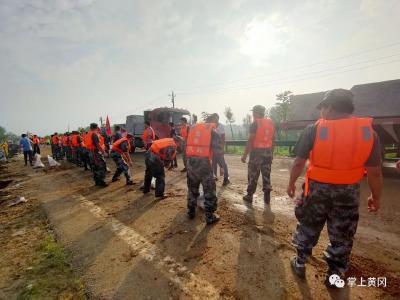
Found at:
(199, 140)
(340, 150)
(264, 134)
(117, 143)
(159, 147)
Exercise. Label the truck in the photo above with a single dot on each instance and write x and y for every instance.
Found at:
(378, 100)
(159, 119)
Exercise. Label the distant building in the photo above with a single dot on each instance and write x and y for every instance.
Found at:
(379, 100)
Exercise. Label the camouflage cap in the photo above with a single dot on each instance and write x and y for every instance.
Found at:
(340, 100)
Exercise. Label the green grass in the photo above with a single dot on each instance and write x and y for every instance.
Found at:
(238, 150)
(51, 276)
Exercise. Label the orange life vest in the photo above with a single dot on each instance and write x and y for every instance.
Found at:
(340, 151)
(184, 132)
(264, 134)
(74, 141)
(158, 147)
(35, 141)
(89, 140)
(147, 139)
(102, 144)
(117, 143)
(55, 140)
(64, 140)
(199, 140)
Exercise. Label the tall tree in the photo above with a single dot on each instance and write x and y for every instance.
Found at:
(7, 136)
(247, 122)
(230, 119)
(280, 111)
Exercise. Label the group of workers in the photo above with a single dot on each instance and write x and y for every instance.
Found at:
(340, 149)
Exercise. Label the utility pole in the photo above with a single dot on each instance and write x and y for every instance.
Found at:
(173, 98)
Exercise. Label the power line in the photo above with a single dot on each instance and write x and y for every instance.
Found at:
(260, 84)
(296, 68)
(310, 77)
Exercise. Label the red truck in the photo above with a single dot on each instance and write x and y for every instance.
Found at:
(159, 119)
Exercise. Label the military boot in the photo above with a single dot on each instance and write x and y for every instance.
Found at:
(211, 218)
(298, 269)
(267, 197)
(248, 198)
(191, 213)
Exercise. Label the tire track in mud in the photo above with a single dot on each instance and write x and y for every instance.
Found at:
(140, 246)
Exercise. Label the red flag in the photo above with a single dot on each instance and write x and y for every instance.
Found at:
(108, 127)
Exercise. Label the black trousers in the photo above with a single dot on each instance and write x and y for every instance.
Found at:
(154, 168)
(28, 155)
(36, 149)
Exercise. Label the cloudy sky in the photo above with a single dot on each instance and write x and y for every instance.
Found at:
(68, 62)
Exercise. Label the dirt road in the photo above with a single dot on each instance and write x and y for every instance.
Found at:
(126, 245)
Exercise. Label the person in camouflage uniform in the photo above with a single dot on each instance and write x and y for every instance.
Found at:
(85, 158)
(333, 203)
(121, 156)
(68, 148)
(159, 156)
(99, 166)
(260, 157)
(199, 171)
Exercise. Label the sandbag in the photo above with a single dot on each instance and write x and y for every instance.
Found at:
(52, 162)
(38, 162)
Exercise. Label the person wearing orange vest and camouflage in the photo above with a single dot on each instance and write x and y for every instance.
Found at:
(185, 128)
(260, 147)
(159, 156)
(96, 153)
(64, 145)
(35, 142)
(83, 151)
(148, 135)
(339, 148)
(202, 139)
(69, 147)
(120, 153)
(55, 142)
(75, 143)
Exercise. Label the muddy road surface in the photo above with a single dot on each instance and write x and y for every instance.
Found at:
(126, 245)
